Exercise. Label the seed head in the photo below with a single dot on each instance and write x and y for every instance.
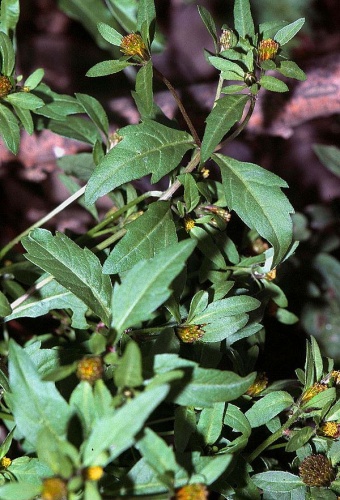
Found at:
(189, 333)
(90, 369)
(267, 50)
(5, 86)
(258, 385)
(316, 470)
(195, 491)
(133, 45)
(54, 488)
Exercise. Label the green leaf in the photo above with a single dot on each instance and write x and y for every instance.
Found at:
(6, 444)
(75, 268)
(301, 437)
(52, 296)
(191, 193)
(117, 432)
(146, 19)
(58, 106)
(110, 34)
(288, 32)
(221, 309)
(273, 84)
(32, 401)
(129, 370)
(145, 148)
(9, 129)
(25, 117)
(34, 79)
(109, 67)
(208, 247)
(57, 453)
(268, 407)
(20, 491)
(291, 70)
(210, 423)
(209, 24)
(256, 197)
(243, 20)
(149, 280)
(80, 165)
(145, 238)
(236, 419)
(227, 111)
(7, 54)
(277, 481)
(76, 127)
(184, 426)
(25, 100)
(95, 111)
(210, 468)
(82, 403)
(144, 93)
(227, 67)
(5, 307)
(329, 157)
(9, 15)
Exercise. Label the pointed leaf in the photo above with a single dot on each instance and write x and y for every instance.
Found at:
(9, 129)
(288, 32)
(256, 197)
(117, 432)
(145, 237)
(144, 93)
(146, 286)
(227, 111)
(157, 453)
(110, 34)
(5, 307)
(75, 268)
(273, 84)
(268, 407)
(109, 67)
(7, 54)
(209, 24)
(20, 491)
(275, 481)
(32, 401)
(210, 423)
(95, 111)
(9, 15)
(25, 117)
(129, 370)
(146, 18)
(291, 70)
(25, 100)
(145, 148)
(34, 79)
(243, 20)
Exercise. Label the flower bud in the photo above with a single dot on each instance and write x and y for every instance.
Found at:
(90, 369)
(5, 86)
(228, 39)
(54, 488)
(267, 49)
(311, 392)
(258, 385)
(195, 491)
(5, 462)
(189, 333)
(316, 470)
(133, 45)
(249, 78)
(93, 473)
(330, 429)
(189, 223)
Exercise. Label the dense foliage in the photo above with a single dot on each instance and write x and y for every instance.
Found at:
(149, 386)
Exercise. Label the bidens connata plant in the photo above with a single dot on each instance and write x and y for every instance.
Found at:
(148, 385)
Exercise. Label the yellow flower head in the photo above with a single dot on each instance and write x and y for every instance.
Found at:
(330, 429)
(90, 369)
(271, 275)
(5, 86)
(93, 473)
(189, 333)
(312, 391)
(5, 462)
(316, 470)
(258, 385)
(267, 49)
(195, 491)
(54, 488)
(133, 45)
(189, 223)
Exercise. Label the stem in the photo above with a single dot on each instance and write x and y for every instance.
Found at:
(31, 291)
(180, 105)
(104, 244)
(176, 185)
(6, 416)
(274, 437)
(218, 90)
(42, 221)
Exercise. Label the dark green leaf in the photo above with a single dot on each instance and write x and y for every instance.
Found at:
(57, 453)
(273, 84)
(226, 67)
(75, 268)
(110, 34)
(76, 127)
(25, 117)
(277, 481)
(5, 307)
(184, 427)
(129, 370)
(58, 106)
(329, 157)
(144, 93)
(227, 111)
(146, 286)
(145, 148)
(191, 193)
(80, 165)
(32, 401)
(110, 67)
(95, 111)
(9, 15)
(146, 19)
(25, 100)
(117, 432)
(208, 247)
(291, 70)
(34, 79)
(145, 237)
(288, 32)
(9, 129)
(268, 407)
(6, 444)
(301, 437)
(7, 54)
(221, 309)
(212, 467)
(209, 24)
(256, 197)
(210, 423)
(243, 20)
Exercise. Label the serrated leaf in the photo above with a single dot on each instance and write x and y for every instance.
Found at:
(273, 84)
(75, 127)
(268, 407)
(34, 79)
(110, 34)
(95, 111)
(288, 32)
(227, 111)
(9, 15)
(329, 157)
(145, 148)
(117, 432)
(243, 20)
(145, 237)
(32, 401)
(209, 24)
(75, 268)
(277, 481)
(210, 423)
(149, 280)
(7, 54)
(256, 197)
(25, 100)
(109, 67)
(9, 129)
(52, 296)
(291, 70)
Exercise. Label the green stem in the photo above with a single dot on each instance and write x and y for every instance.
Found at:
(274, 437)
(106, 243)
(42, 221)
(180, 105)
(218, 89)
